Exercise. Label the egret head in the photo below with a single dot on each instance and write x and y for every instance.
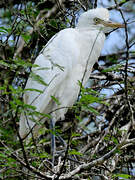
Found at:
(97, 18)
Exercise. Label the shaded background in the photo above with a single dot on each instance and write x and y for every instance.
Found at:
(25, 27)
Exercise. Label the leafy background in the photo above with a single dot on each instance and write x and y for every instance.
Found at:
(99, 131)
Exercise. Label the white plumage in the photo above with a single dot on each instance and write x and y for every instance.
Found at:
(67, 58)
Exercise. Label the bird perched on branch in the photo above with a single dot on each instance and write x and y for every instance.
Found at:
(66, 59)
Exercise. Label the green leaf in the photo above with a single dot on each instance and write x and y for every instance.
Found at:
(118, 151)
(76, 134)
(13, 106)
(5, 30)
(122, 1)
(74, 152)
(26, 37)
(53, 23)
(56, 100)
(4, 63)
(107, 137)
(44, 155)
(46, 115)
(28, 106)
(74, 142)
(3, 155)
(114, 140)
(42, 131)
(42, 68)
(40, 22)
(60, 67)
(125, 176)
(43, 141)
(36, 90)
(20, 62)
(93, 110)
(115, 68)
(2, 29)
(38, 78)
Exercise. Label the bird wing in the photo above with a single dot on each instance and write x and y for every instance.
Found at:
(55, 62)
(60, 65)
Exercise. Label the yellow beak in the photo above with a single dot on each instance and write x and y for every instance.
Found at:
(112, 24)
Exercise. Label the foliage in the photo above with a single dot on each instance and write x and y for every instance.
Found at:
(96, 138)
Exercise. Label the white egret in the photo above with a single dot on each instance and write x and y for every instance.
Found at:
(66, 59)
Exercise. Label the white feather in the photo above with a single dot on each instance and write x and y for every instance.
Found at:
(67, 57)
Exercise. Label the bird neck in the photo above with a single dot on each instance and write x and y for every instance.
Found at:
(90, 28)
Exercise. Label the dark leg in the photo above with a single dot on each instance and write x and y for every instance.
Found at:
(53, 145)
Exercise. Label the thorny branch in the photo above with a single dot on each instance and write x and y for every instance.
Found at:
(126, 65)
(103, 150)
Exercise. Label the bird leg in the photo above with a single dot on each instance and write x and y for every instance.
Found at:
(53, 144)
(61, 139)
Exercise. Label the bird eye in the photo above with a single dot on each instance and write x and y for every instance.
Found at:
(96, 20)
